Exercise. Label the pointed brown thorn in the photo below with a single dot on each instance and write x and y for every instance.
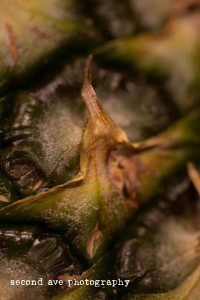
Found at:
(88, 70)
(90, 98)
(194, 176)
(100, 123)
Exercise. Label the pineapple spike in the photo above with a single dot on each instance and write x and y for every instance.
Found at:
(88, 70)
(99, 121)
(101, 131)
(89, 96)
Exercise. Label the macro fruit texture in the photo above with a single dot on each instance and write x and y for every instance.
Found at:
(99, 153)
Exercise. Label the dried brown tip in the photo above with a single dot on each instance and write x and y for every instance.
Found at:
(100, 123)
(194, 176)
(89, 96)
(88, 70)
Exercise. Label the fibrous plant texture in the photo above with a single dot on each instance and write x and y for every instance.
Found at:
(99, 150)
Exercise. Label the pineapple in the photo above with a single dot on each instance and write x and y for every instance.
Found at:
(93, 178)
